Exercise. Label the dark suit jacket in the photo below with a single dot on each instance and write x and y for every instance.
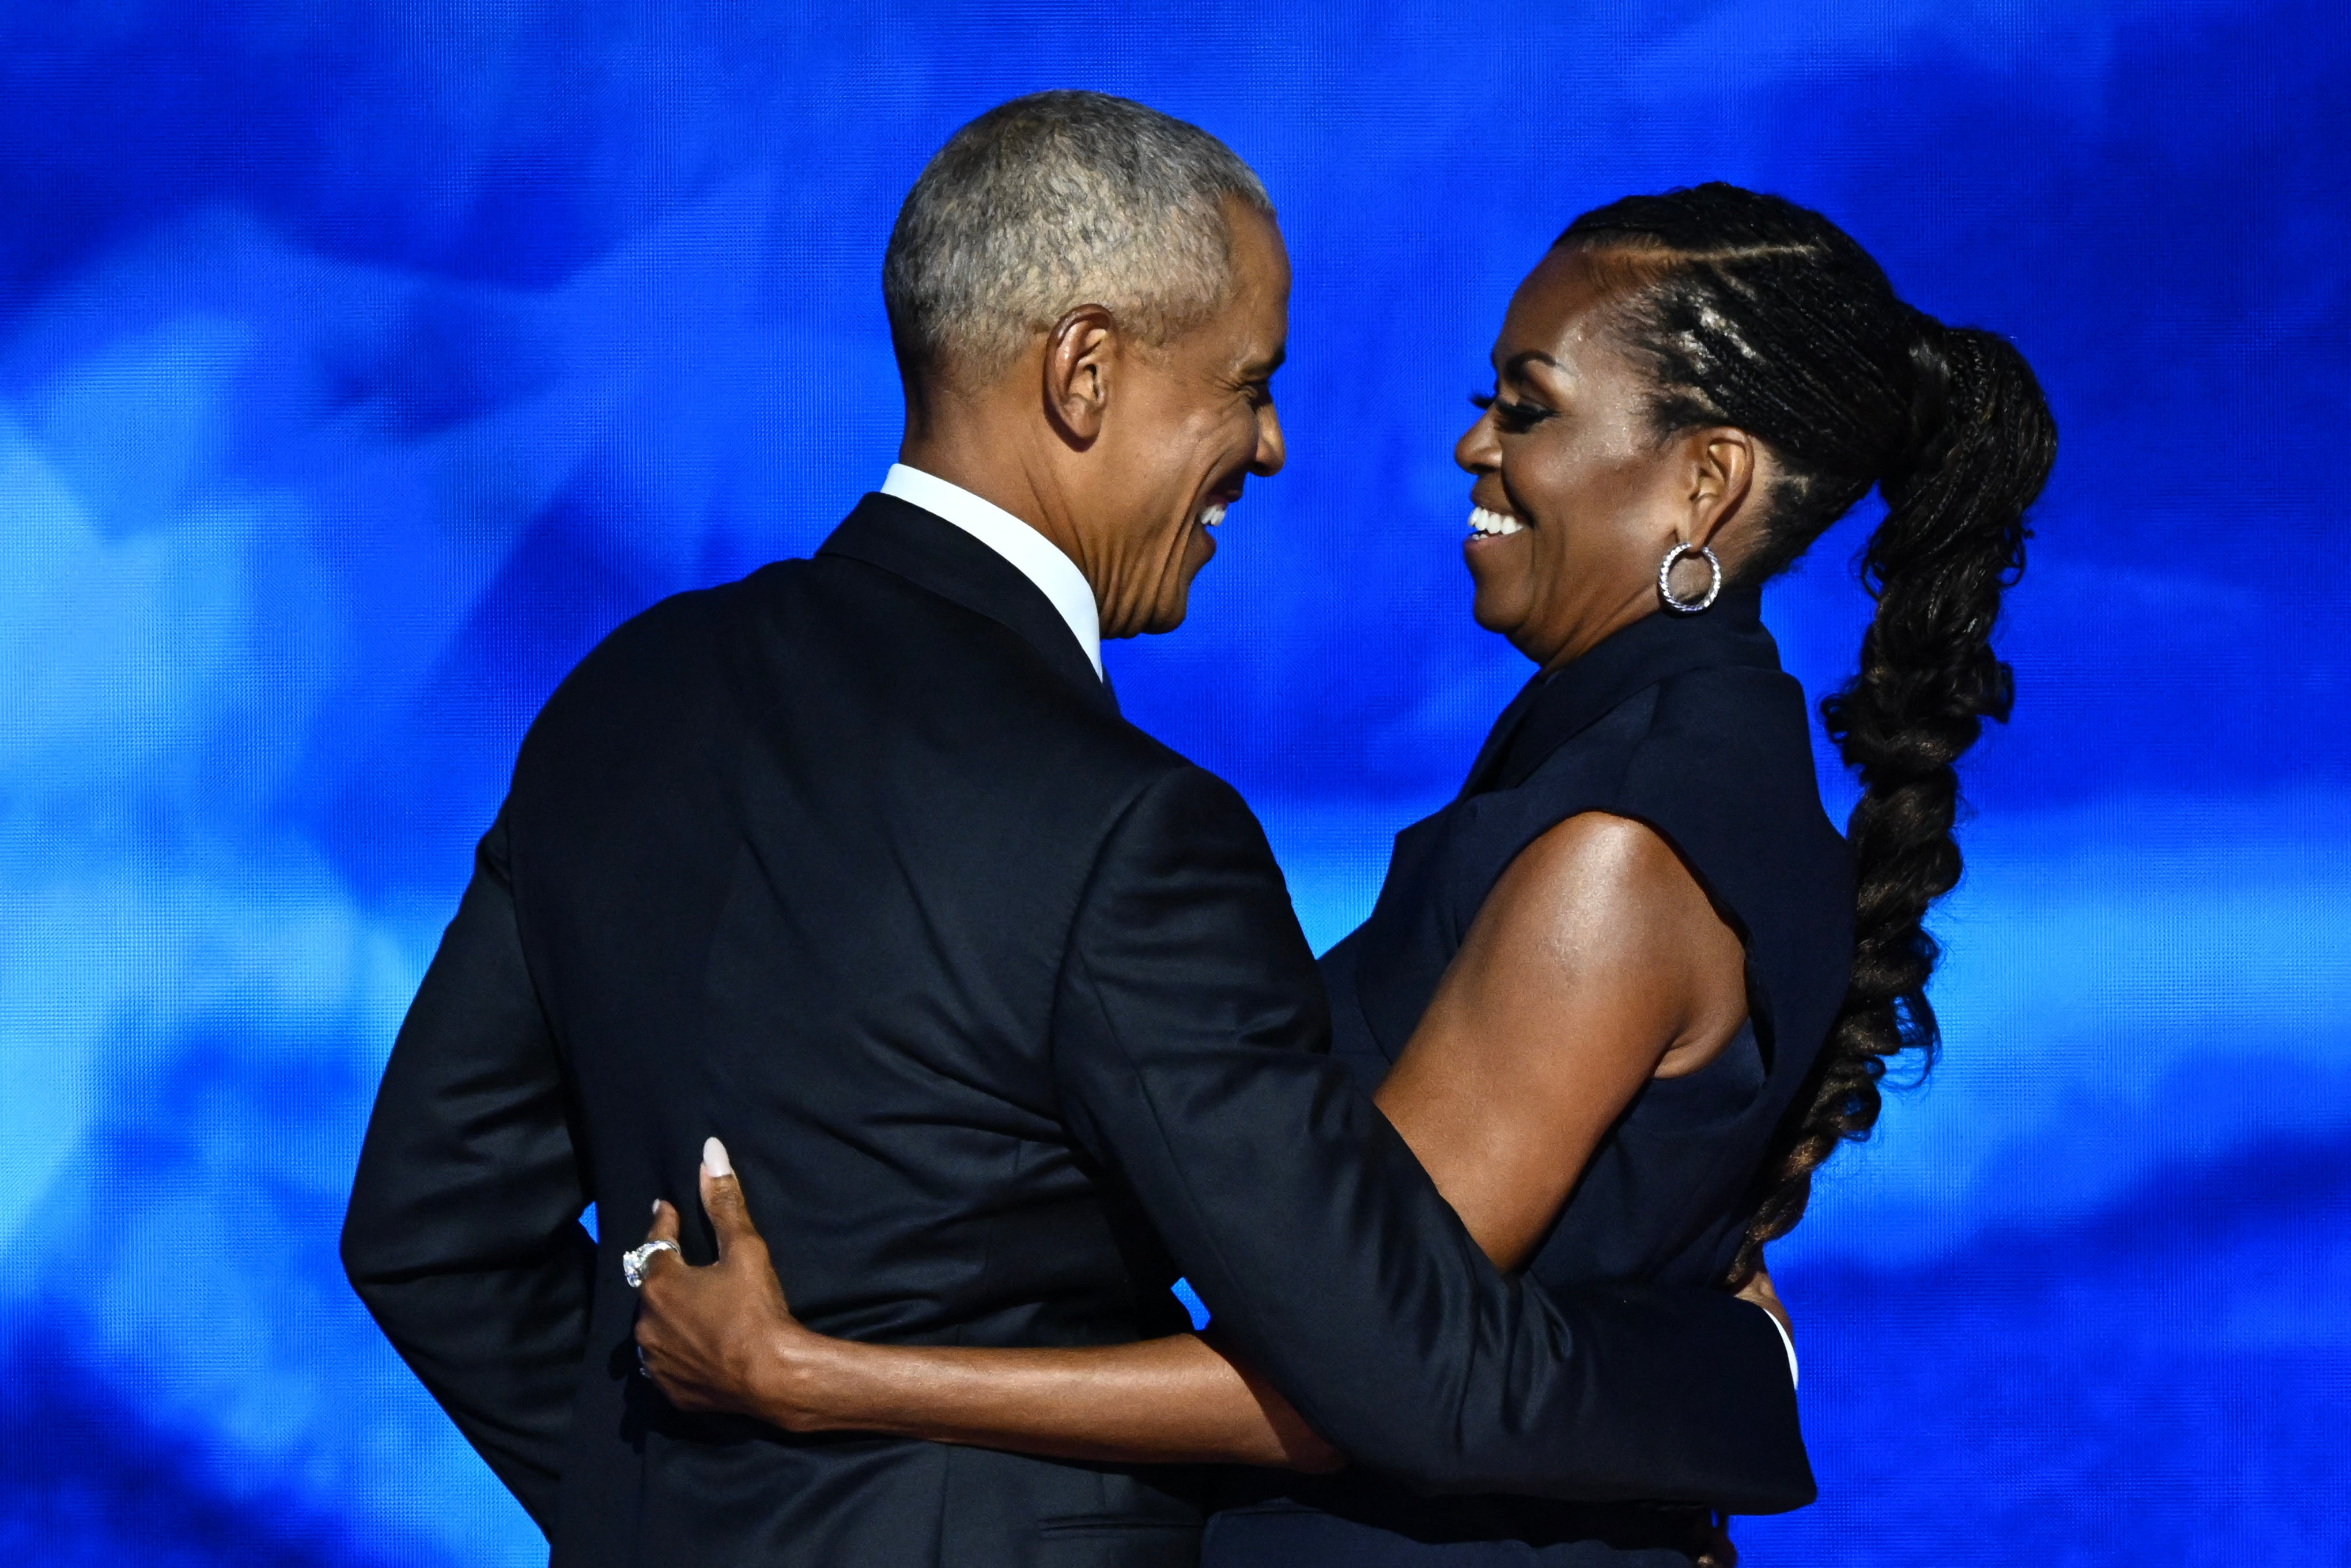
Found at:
(1002, 1012)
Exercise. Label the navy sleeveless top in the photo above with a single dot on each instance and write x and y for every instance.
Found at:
(1687, 724)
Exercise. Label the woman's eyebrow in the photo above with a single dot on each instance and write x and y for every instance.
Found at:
(1523, 358)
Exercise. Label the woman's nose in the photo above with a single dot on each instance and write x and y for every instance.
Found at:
(1477, 452)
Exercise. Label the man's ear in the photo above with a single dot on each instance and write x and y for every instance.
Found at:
(1081, 350)
(1720, 463)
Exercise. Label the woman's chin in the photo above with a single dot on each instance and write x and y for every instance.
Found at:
(1498, 596)
(1500, 566)
(1494, 613)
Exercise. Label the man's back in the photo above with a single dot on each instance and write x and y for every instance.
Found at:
(795, 863)
(1004, 1010)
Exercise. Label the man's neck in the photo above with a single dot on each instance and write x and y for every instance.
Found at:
(994, 465)
(999, 484)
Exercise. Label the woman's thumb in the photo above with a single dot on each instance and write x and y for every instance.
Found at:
(722, 1198)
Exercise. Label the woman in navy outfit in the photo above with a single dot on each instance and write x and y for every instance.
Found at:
(1628, 991)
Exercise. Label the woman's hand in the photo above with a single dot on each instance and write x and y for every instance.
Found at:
(723, 1338)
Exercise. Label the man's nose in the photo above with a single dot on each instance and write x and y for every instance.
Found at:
(1268, 461)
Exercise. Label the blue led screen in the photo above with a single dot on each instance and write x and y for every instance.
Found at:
(361, 364)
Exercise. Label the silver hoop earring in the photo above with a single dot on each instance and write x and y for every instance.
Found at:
(1665, 580)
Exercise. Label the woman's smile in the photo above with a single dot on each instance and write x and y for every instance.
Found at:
(1486, 524)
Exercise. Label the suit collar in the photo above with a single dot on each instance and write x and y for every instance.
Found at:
(935, 554)
(1039, 559)
(1557, 705)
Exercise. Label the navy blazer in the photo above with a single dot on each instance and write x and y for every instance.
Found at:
(1001, 1009)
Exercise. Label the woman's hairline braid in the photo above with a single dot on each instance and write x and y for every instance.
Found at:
(1633, 265)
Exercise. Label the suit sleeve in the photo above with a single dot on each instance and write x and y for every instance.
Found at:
(1190, 1046)
(463, 1235)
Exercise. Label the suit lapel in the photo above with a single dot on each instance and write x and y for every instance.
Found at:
(935, 554)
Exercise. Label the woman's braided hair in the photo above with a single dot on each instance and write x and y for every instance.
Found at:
(1747, 310)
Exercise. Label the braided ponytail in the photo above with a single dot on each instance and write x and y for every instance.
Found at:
(1750, 311)
(1953, 537)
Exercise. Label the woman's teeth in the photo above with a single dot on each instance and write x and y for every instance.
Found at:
(1212, 513)
(1492, 524)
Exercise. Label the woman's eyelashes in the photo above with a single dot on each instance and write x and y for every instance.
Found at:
(1515, 418)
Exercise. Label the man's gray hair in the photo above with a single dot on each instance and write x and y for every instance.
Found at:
(1054, 201)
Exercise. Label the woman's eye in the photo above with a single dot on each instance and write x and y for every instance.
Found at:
(1513, 417)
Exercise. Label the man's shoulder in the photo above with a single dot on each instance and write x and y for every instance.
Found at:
(682, 624)
(831, 650)
(925, 657)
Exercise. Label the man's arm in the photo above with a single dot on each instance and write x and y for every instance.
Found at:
(463, 1236)
(1188, 1043)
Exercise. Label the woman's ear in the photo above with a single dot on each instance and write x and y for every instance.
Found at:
(1080, 350)
(1721, 465)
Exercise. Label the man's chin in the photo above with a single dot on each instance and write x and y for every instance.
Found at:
(1169, 612)
(1176, 599)
(1164, 621)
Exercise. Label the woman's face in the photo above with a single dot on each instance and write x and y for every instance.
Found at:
(1577, 500)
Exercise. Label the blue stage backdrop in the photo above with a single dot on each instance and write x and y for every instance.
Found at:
(361, 363)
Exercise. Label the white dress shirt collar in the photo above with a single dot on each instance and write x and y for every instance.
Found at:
(1036, 557)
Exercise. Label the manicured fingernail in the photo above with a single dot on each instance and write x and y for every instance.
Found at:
(656, 1207)
(713, 1159)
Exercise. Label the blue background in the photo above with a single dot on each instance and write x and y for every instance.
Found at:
(361, 364)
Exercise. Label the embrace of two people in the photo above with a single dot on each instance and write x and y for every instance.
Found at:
(997, 1010)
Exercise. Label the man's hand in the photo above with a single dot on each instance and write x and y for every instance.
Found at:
(720, 1338)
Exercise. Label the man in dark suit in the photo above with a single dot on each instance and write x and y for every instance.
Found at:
(998, 1003)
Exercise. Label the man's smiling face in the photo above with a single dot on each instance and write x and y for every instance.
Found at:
(1192, 420)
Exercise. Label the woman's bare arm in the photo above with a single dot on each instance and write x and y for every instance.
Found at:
(723, 1338)
(1596, 963)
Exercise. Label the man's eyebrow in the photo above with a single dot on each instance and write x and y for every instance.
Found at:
(1263, 370)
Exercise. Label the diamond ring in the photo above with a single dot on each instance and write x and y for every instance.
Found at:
(633, 1261)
